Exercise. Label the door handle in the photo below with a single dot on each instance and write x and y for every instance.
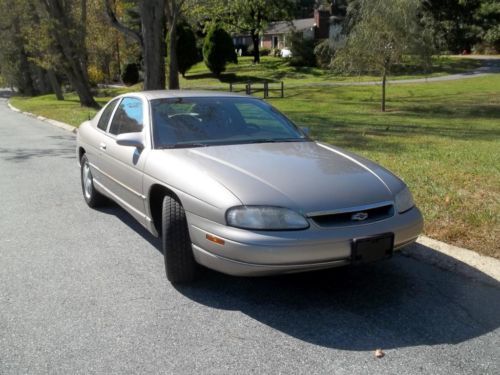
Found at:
(102, 146)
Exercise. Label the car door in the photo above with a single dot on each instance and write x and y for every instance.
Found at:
(100, 138)
(123, 165)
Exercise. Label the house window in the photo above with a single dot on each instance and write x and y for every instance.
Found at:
(275, 42)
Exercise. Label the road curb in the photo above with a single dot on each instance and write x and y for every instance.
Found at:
(455, 259)
(59, 124)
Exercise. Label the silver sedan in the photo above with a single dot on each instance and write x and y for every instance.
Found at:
(230, 183)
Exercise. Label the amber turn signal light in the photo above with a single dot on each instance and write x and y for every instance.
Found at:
(217, 240)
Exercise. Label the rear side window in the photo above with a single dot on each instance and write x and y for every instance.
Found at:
(106, 115)
(128, 117)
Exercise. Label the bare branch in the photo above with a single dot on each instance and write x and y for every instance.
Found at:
(119, 26)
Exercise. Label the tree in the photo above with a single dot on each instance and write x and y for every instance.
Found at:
(302, 50)
(249, 17)
(383, 32)
(18, 63)
(130, 75)
(455, 22)
(173, 13)
(106, 47)
(14, 64)
(187, 53)
(151, 39)
(253, 16)
(65, 32)
(487, 17)
(218, 49)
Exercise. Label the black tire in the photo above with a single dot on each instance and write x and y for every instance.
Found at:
(180, 264)
(92, 196)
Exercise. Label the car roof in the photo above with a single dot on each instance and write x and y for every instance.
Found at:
(164, 94)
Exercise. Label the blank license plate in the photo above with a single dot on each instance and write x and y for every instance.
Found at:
(371, 249)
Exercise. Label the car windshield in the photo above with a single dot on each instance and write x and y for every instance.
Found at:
(205, 121)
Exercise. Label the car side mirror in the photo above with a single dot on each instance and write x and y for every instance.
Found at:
(305, 130)
(130, 140)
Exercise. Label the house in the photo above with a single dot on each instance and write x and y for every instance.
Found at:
(311, 28)
(325, 24)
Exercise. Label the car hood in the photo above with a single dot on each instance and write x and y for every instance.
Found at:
(306, 176)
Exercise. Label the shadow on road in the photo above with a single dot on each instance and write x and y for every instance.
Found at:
(392, 304)
(25, 154)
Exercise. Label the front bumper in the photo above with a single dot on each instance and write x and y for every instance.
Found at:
(254, 253)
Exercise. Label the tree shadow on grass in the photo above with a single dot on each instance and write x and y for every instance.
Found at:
(228, 78)
(475, 111)
(353, 133)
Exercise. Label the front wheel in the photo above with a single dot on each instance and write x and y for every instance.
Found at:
(180, 264)
(90, 194)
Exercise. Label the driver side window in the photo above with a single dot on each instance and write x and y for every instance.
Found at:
(128, 117)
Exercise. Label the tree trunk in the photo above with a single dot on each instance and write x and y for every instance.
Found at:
(25, 85)
(255, 40)
(41, 83)
(384, 81)
(118, 59)
(83, 36)
(153, 39)
(71, 62)
(173, 67)
(56, 86)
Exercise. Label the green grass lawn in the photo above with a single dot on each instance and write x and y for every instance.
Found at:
(442, 138)
(273, 69)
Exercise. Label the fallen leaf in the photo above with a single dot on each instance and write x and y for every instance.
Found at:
(379, 353)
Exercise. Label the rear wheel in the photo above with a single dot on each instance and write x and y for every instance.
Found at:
(90, 194)
(180, 264)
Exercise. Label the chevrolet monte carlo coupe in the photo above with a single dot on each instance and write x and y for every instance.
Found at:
(228, 182)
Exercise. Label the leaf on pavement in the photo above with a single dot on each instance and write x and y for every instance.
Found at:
(379, 353)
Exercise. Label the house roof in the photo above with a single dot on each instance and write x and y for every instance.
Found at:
(284, 27)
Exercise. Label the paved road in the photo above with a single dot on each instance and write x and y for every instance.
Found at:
(84, 291)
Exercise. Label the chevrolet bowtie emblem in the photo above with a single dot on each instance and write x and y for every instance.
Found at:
(359, 216)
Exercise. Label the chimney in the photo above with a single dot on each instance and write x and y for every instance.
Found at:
(322, 22)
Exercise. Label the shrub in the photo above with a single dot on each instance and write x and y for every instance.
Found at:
(96, 75)
(302, 51)
(264, 51)
(218, 49)
(324, 52)
(276, 52)
(187, 53)
(130, 74)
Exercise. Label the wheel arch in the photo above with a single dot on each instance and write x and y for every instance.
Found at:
(81, 152)
(155, 200)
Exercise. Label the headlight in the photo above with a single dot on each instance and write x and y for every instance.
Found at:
(404, 200)
(265, 218)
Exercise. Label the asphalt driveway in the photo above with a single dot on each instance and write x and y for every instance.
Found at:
(84, 291)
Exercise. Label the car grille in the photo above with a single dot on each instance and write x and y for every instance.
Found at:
(346, 218)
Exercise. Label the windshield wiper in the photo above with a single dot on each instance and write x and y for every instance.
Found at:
(183, 145)
(276, 140)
